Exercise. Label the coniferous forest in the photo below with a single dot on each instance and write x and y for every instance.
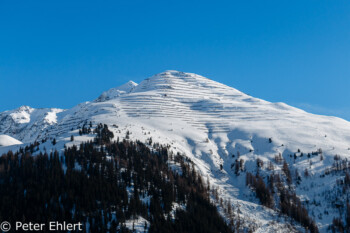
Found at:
(102, 184)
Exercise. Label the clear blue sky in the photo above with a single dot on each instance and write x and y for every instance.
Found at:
(61, 53)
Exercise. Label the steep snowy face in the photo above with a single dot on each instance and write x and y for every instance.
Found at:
(116, 92)
(214, 108)
(185, 96)
(26, 123)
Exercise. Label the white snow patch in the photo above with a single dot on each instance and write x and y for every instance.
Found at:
(6, 140)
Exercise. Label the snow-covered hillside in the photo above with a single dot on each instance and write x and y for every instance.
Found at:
(6, 140)
(214, 125)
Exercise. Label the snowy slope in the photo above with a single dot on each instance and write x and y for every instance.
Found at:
(209, 122)
(6, 140)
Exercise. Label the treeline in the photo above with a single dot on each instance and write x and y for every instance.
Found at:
(342, 201)
(262, 191)
(275, 190)
(102, 184)
(338, 225)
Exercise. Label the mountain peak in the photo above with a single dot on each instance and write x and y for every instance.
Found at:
(181, 81)
(117, 91)
(173, 73)
(169, 79)
(127, 87)
(24, 108)
(21, 115)
(176, 74)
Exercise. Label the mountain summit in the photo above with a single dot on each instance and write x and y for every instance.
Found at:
(117, 91)
(222, 130)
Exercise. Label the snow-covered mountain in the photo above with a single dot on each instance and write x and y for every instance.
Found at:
(213, 125)
(27, 124)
